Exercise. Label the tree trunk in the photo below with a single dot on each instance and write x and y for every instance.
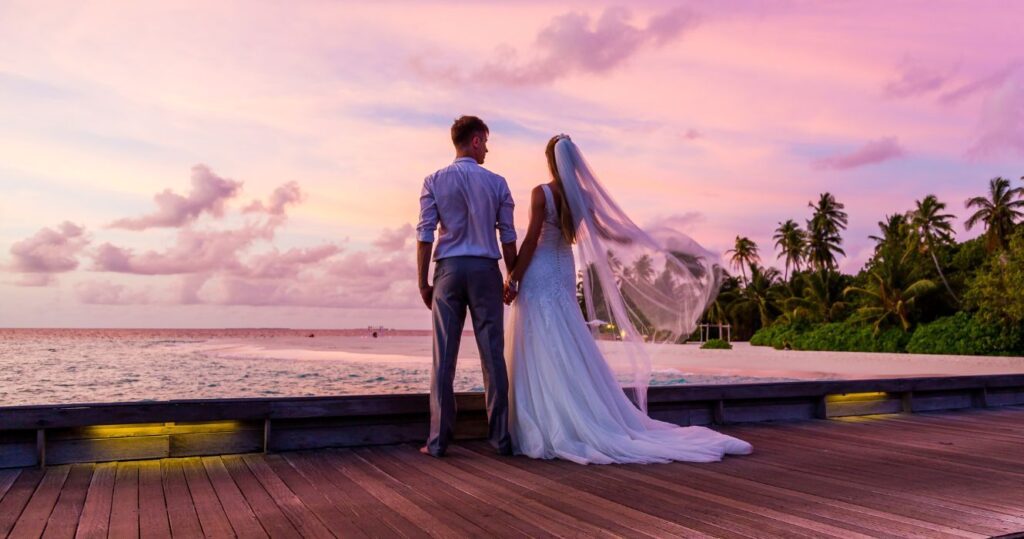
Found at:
(935, 259)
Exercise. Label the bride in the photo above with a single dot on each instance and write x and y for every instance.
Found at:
(565, 398)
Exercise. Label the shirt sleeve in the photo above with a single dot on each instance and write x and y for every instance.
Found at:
(428, 214)
(506, 209)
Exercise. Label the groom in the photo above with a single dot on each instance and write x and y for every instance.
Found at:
(468, 202)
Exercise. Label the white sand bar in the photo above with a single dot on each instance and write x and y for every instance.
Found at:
(742, 362)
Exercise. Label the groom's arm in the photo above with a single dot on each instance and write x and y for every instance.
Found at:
(425, 241)
(423, 252)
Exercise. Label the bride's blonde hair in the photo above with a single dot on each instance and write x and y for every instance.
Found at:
(564, 214)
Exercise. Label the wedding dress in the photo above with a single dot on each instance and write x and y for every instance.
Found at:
(565, 400)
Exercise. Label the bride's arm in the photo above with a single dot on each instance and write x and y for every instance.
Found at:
(529, 245)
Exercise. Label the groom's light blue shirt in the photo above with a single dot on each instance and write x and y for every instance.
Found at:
(466, 203)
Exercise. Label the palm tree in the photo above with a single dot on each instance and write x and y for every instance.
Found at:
(889, 295)
(791, 242)
(930, 229)
(743, 254)
(757, 295)
(893, 230)
(1000, 212)
(822, 296)
(643, 268)
(823, 232)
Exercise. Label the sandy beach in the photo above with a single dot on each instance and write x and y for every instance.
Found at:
(743, 361)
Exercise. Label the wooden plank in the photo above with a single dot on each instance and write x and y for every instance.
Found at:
(95, 520)
(703, 518)
(286, 438)
(215, 443)
(614, 517)
(923, 449)
(451, 501)
(377, 489)
(337, 520)
(899, 465)
(7, 479)
(417, 507)
(304, 520)
(17, 498)
(18, 455)
(929, 389)
(211, 514)
(153, 522)
(902, 505)
(181, 511)
(740, 503)
(497, 494)
(124, 509)
(95, 432)
(875, 480)
(33, 518)
(64, 519)
(243, 520)
(263, 506)
(107, 449)
(346, 496)
(831, 511)
(970, 426)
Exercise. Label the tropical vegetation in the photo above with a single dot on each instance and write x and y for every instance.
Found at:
(921, 291)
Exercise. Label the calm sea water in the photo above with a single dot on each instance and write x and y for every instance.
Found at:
(39, 366)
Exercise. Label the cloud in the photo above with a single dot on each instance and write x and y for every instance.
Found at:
(571, 43)
(875, 151)
(48, 251)
(914, 79)
(981, 85)
(282, 197)
(208, 195)
(1001, 124)
(107, 293)
(363, 279)
(394, 240)
(194, 251)
(278, 265)
(692, 134)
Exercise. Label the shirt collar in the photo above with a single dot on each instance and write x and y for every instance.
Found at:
(467, 158)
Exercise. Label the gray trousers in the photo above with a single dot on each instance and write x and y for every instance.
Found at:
(474, 283)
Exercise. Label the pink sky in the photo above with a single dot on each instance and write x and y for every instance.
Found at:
(221, 164)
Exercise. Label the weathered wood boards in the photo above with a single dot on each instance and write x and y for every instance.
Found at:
(65, 434)
(948, 474)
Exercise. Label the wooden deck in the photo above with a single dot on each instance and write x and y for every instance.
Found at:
(939, 474)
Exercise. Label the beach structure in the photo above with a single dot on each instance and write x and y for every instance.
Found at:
(943, 459)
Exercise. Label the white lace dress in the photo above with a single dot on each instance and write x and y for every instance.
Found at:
(564, 399)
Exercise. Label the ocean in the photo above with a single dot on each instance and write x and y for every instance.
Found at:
(61, 366)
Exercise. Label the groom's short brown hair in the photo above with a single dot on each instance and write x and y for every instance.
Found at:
(465, 127)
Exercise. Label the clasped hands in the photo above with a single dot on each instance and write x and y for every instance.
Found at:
(511, 291)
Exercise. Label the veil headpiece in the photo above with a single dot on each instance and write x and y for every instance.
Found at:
(646, 286)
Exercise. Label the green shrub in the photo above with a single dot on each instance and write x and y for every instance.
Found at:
(716, 344)
(964, 334)
(779, 334)
(847, 337)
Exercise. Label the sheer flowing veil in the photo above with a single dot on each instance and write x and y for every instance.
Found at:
(638, 286)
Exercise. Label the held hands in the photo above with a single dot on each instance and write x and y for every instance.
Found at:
(511, 291)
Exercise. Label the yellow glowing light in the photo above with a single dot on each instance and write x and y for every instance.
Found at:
(866, 396)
